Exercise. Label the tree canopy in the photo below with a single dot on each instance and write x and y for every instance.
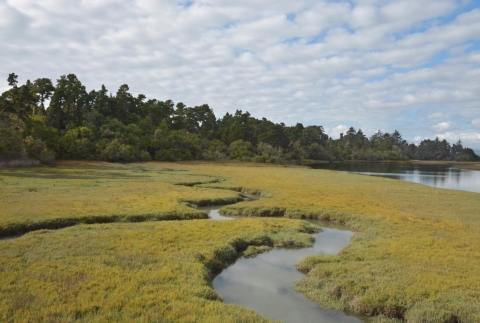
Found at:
(99, 125)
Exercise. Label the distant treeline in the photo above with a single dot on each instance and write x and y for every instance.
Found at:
(98, 125)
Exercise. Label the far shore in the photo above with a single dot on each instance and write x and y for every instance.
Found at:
(455, 164)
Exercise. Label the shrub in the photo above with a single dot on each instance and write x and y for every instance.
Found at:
(77, 144)
(260, 159)
(240, 148)
(37, 149)
(117, 151)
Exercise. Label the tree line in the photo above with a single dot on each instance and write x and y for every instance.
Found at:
(121, 127)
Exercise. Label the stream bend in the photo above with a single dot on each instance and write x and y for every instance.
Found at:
(265, 283)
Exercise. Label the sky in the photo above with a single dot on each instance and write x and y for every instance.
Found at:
(406, 65)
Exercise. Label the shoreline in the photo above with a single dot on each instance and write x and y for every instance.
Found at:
(460, 165)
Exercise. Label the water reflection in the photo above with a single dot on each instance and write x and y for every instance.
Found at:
(431, 175)
(214, 214)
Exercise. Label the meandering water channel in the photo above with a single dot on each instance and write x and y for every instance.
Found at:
(265, 283)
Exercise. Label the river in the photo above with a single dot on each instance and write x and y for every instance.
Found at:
(432, 175)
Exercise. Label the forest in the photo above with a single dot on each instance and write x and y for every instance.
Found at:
(121, 127)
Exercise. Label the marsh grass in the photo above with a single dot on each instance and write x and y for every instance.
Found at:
(253, 251)
(415, 255)
(461, 165)
(143, 272)
(472, 166)
(75, 193)
(19, 163)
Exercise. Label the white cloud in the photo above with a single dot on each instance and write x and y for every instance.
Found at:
(453, 137)
(443, 126)
(418, 139)
(436, 115)
(336, 131)
(476, 123)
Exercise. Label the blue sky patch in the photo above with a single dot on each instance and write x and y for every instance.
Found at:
(291, 40)
(473, 46)
(436, 60)
(291, 16)
(186, 4)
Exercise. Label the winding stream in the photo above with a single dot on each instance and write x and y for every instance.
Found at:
(265, 283)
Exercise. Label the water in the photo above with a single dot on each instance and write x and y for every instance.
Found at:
(431, 175)
(215, 215)
(265, 283)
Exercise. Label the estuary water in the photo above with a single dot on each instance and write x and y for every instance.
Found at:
(432, 175)
(265, 283)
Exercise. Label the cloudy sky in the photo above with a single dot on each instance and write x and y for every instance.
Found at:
(409, 65)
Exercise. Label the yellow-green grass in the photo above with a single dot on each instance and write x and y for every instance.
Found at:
(416, 253)
(132, 272)
(71, 193)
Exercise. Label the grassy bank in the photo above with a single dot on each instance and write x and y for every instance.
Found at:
(461, 165)
(454, 164)
(415, 256)
(472, 166)
(72, 193)
(142, 272)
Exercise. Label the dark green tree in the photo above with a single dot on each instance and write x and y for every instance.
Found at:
(68, 103)
(43, 88)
